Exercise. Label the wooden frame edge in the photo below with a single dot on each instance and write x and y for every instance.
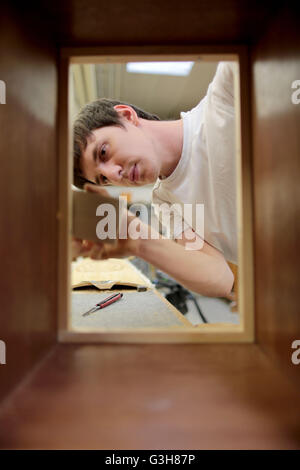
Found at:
(245, 200)
(64, 197)
(245, 211)
(214, 334)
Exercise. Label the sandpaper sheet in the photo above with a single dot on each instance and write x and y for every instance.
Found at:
(134, 310)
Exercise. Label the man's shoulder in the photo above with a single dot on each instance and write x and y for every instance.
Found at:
(221, 90)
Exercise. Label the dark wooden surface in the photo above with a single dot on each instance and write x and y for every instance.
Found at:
(153, 397)
(149, 22)
(276, 164)
(28, 199)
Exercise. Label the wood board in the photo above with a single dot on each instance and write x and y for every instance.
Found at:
(85, 219)
(104, 274)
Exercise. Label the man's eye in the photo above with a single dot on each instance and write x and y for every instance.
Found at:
(103, 150)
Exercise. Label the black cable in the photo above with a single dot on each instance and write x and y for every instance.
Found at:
(182, 293)
(198, 308)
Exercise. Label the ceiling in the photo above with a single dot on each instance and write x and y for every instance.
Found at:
(164, 95)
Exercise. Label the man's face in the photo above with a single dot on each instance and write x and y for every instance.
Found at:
(120, 156)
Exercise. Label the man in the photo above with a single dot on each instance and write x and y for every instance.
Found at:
(191, 160)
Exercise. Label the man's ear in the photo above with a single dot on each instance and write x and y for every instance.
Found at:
(127, 113)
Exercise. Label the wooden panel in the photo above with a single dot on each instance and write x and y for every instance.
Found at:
(276, 154)
(90, 22)
(64, 178)
(153, 397)
(28, 199)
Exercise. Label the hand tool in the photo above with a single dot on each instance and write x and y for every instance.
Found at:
(104, 303)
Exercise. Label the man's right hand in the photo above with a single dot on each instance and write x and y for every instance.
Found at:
(84, 248)
(101, 250)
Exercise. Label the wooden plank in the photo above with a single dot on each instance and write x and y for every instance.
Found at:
(275, 65)
(28, 235)
(108, 54)
(244, 199)
(206, 333)
(64, 212)
(153, 397)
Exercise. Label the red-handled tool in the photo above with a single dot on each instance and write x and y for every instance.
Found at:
(104, 303)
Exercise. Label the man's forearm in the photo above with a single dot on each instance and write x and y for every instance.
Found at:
(196, 270)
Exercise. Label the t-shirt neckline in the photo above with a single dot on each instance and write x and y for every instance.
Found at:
(176, 173)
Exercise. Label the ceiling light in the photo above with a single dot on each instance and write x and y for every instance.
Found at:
(161, 68)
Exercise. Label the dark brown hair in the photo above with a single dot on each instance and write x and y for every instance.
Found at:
(99, 113)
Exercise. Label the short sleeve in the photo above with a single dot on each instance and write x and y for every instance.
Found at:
(221, 90)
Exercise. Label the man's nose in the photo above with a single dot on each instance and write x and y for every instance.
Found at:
(112, 172)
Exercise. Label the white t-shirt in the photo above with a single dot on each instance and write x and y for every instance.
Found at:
(206, 171)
